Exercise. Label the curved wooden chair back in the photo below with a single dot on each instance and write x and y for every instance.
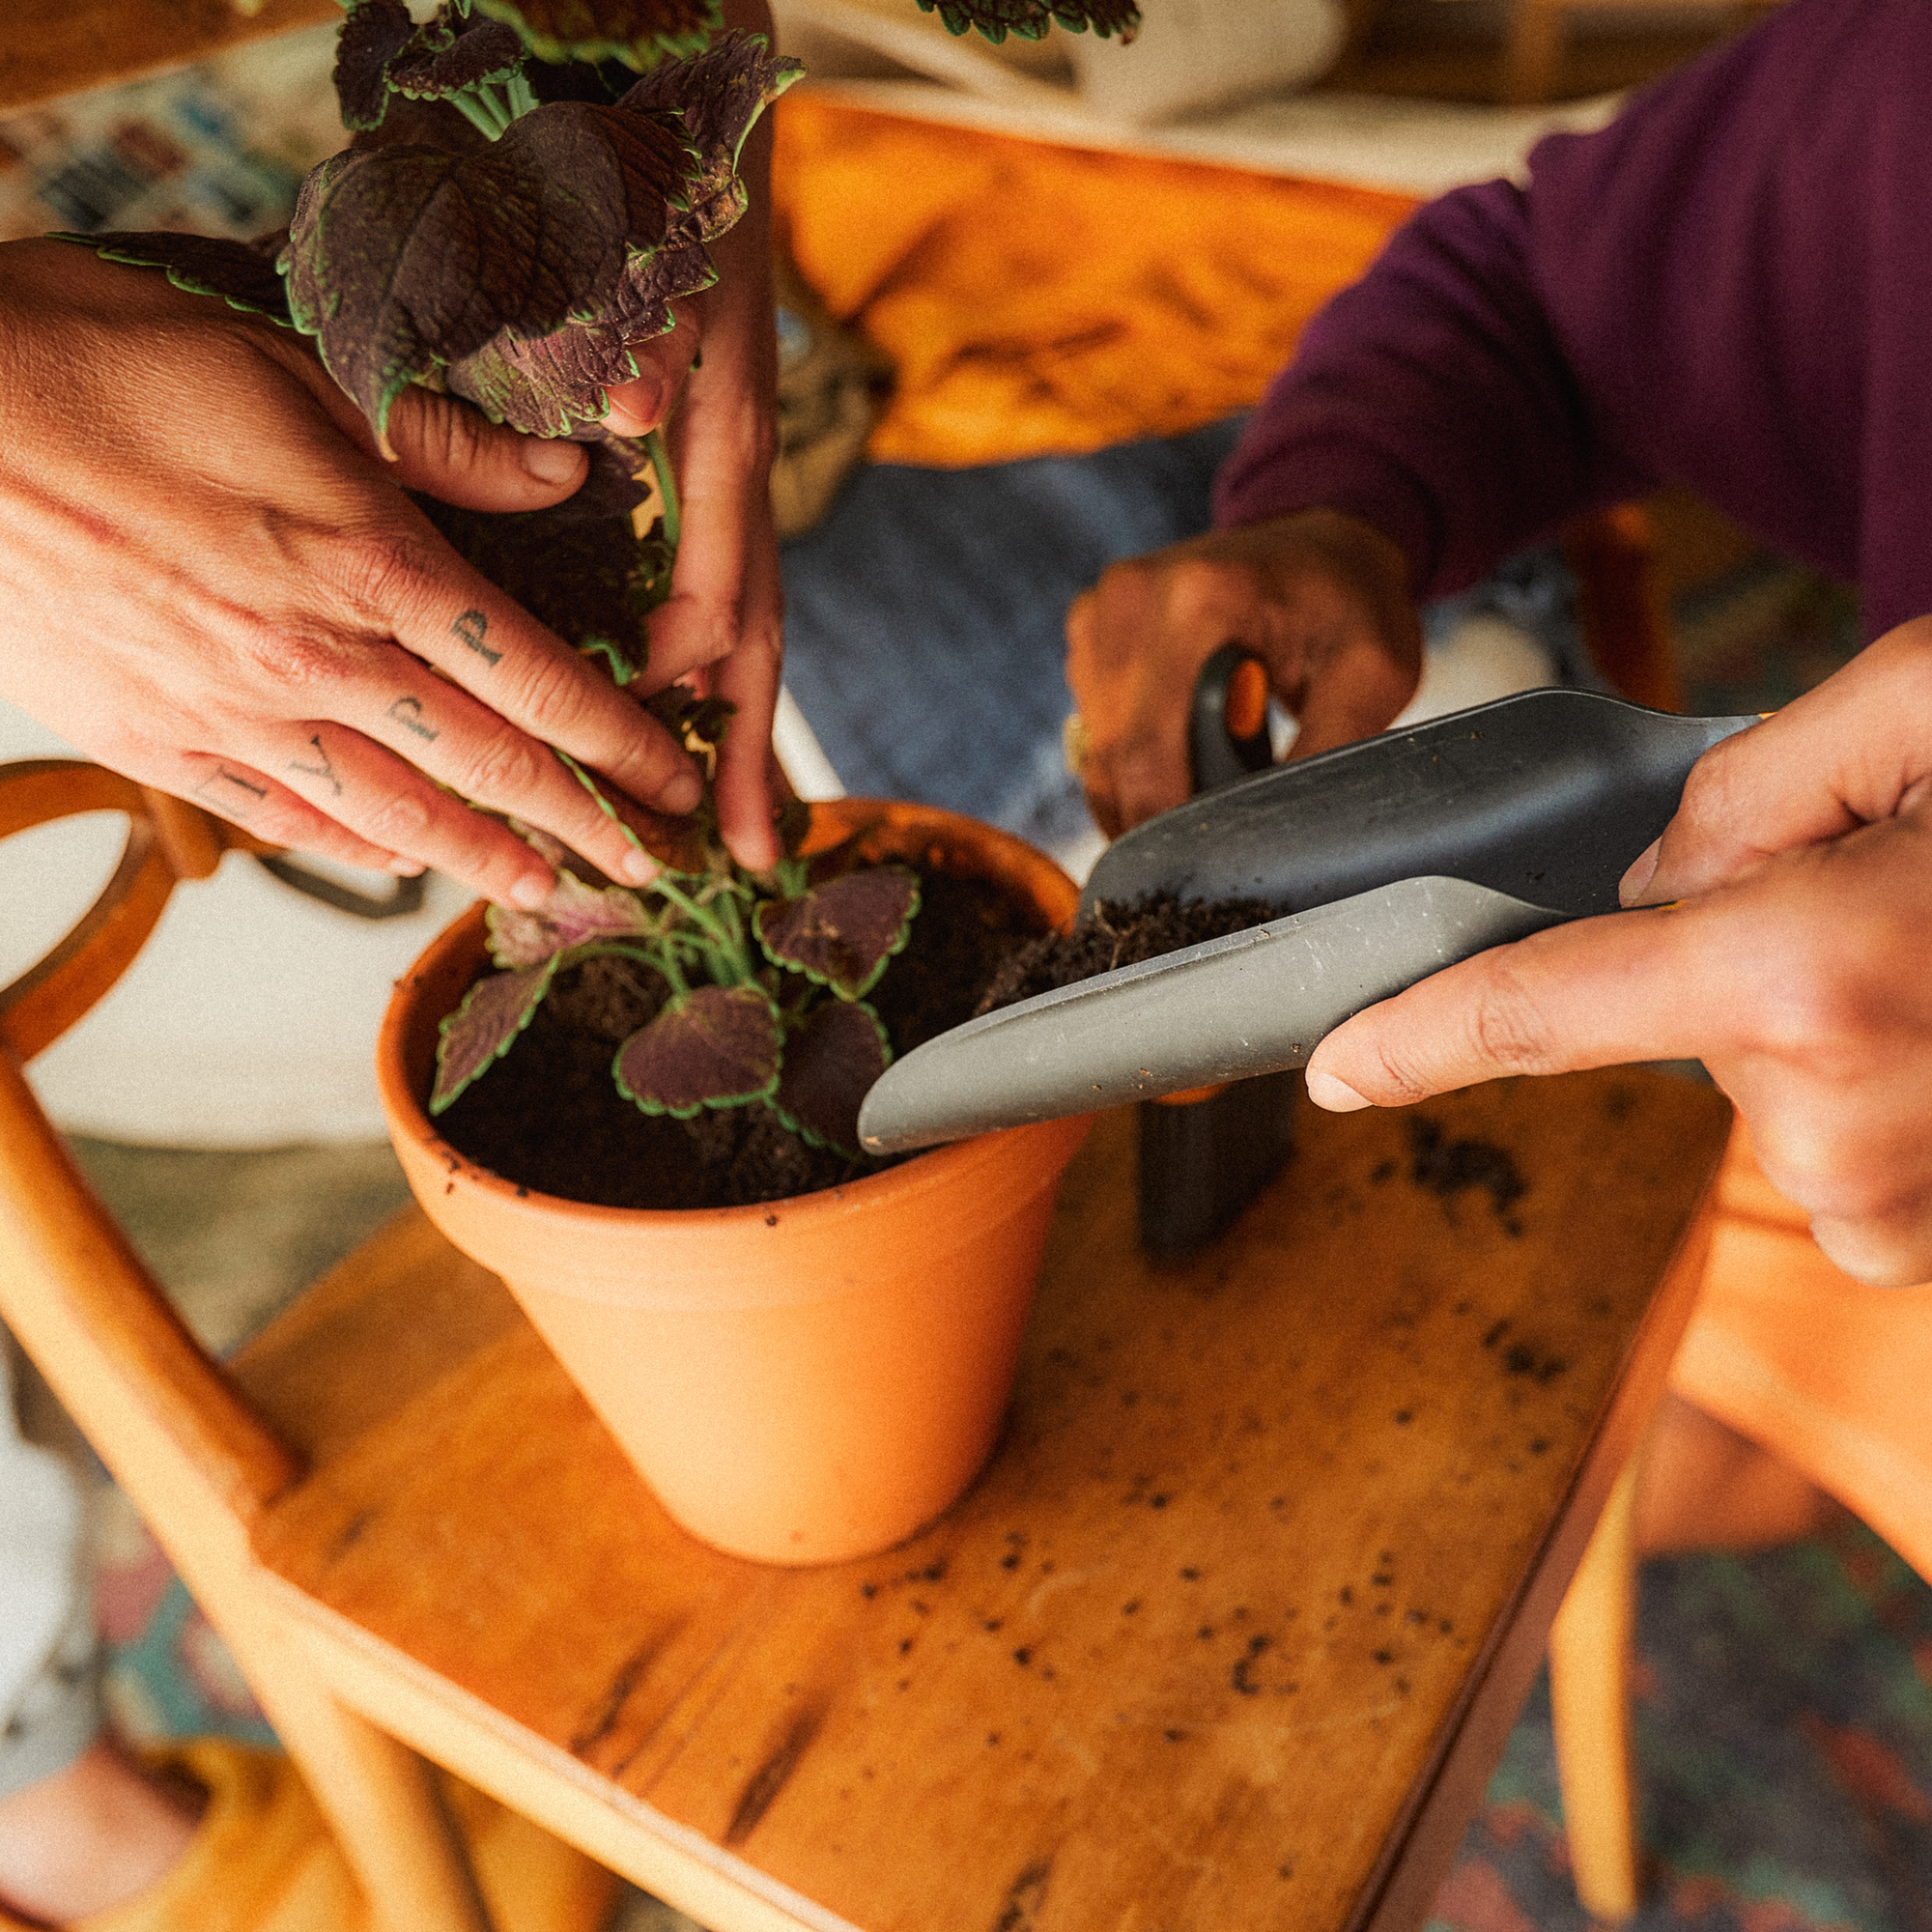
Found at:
(169, 1422)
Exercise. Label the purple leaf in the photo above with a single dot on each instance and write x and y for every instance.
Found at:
(717, 1047)
(1028, 20)
(479, 1031)
(573, 915)
(438, 61)
(404, 258)
(636, 32)
(829, 1065)
(840, 935)
(719, 94)
(554, 385)
(242, 272)
(374, 32)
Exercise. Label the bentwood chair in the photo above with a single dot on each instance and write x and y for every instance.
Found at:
(1230, 1631)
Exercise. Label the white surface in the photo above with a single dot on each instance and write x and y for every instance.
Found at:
(1071, 88)
(1193, 55)
(250, 1018)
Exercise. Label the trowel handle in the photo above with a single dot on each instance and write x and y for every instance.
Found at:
(1227, 722)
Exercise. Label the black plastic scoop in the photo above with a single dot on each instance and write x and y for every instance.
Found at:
(1391, 859)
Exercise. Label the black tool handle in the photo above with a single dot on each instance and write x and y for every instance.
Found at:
(1226, 721)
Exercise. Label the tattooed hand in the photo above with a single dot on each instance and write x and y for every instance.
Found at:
(210, 581)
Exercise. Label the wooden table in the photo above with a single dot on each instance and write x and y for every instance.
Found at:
(1229, 1632)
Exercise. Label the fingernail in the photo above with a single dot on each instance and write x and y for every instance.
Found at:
(552, 459)
(531, 891)
(681, 792)
(1336, 1096)
(639, 868)
(1643, 871)
(408, 869)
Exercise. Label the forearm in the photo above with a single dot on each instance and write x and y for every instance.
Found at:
(1434, 400)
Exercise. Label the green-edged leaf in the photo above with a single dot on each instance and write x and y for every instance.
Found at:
(1028, 20)
(479, 1031)
(719, 94)
(842, 933)
(374, 32)
(242, 272)
(557, 383)
(718, 1047)
(636, 32)
(403, 258)
(831, 1060)
(439, 60)
(573, 915)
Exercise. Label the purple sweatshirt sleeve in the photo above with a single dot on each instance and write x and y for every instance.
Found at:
(1729, 287)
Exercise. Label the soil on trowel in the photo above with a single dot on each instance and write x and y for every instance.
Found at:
(549, 1115)
(1118, 933)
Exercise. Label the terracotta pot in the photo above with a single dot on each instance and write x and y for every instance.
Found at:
(799, 1381)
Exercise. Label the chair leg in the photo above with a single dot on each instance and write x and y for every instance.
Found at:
(1589, 1698)
(382, 1800)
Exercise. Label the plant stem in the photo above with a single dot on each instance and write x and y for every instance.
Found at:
(714, 930)
(660, 456)
(478, 109)
(522, 101)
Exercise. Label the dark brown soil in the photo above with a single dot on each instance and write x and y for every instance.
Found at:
(549, 1115)
(1118, 934)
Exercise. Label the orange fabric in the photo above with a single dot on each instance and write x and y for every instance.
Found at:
(1040, 299)
(1834, 1376)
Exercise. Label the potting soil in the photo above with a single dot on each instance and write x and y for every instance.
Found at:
(549, 1115)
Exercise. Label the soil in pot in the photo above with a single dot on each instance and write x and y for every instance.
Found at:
(1117, 934)
(972, 949)
(609, 1153)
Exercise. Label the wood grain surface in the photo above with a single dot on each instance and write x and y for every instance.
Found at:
(51, 47)
(1228, 1631)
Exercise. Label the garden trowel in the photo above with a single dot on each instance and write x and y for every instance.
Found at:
(1391, 859)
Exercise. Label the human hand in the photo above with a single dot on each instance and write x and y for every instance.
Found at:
(724, 619)
(211, 581)
(1320, 596)
(1785, 947)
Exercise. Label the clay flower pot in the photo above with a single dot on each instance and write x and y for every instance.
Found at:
(803, 1381)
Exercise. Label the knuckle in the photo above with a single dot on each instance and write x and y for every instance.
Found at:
(387, 571)
(1508, 1028)
(505, 770)
(298, 660)
(399, 823)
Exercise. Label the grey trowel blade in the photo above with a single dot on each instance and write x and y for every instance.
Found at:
(1254, 1001)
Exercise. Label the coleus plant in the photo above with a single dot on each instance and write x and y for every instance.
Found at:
(763, 975)
(528, 186)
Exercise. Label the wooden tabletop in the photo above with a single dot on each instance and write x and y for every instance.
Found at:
(1229, 1633)
(51, 47)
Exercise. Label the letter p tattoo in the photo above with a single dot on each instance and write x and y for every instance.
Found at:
(473, 627)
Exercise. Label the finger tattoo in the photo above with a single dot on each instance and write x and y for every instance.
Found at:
(219, 791)
(324, 771)
(473, 627)
(408, 712)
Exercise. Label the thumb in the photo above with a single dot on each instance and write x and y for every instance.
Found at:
(453, 452)
(1595, 993)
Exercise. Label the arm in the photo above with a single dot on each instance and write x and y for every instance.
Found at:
(1788, 923)
(1428, 425)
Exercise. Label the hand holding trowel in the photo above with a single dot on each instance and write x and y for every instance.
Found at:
(1392, 858)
